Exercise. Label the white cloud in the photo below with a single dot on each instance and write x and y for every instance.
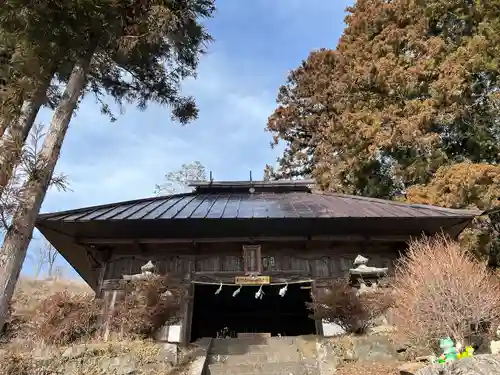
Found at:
(257, 42)
(108, 162)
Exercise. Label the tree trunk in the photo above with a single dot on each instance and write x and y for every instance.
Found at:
(3, 128)
(19, 234)
(11, 144)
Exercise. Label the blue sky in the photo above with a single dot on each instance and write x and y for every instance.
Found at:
(257, 42)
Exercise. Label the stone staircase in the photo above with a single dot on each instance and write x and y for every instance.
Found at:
(263, 356)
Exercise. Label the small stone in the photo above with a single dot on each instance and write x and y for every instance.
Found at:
(169, 353)
(381, 329)
(495, 347)
(411, 368)
(349, 355)
(374, 348)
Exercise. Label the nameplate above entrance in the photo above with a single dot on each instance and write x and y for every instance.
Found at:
(252, 280)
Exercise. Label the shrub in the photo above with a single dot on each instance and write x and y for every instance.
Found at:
(148, 305)
(341, 305)
(64, 318)
(442, 291)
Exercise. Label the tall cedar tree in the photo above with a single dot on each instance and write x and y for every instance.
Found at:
(30, 60)
(411, 87)
(124, 37)
(468, 185)
(142, 58)
(407, 103)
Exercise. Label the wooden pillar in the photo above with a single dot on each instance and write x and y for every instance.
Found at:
(187, 315)
(318, 323)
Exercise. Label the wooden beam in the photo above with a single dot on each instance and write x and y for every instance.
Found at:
(340, 238)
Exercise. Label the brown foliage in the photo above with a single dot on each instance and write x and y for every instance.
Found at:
(410, 87)
(341, 305)
(467, 185)
(462, 185)
(441, 291)
(148, 304)
(64, 318)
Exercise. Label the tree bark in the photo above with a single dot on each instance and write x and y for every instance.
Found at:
(11, 143)
(20, 232)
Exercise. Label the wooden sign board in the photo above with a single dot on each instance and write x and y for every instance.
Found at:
(252, 280)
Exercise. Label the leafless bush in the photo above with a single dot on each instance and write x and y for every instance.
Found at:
(341, 305)
(442, 291)
(64, 318)
(148, 305)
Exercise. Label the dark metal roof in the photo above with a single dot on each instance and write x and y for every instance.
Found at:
(230, 210)
(245, 205)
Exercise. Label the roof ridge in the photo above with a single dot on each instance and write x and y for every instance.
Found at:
(402, 204)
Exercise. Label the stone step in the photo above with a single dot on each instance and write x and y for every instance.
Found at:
(239, 346)
(281, 368)
(270, 356)
(237, 349)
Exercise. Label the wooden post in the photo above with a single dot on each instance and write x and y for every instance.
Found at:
(187, 316)
(108, 315)
(318, 323)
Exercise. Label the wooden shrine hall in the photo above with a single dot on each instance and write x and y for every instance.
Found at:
(233, 240)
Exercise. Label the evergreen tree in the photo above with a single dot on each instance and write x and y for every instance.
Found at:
(116, 37)
(411, 87)
(132, 68)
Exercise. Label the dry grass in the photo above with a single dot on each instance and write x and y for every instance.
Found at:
(64, 318)
(28, 297)
(30, 293)
(442, 291)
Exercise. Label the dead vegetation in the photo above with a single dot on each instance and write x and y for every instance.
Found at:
(340, 304)
(55, 327)
(442, 291)
(64, 318)
(147, 305)
(57, 315)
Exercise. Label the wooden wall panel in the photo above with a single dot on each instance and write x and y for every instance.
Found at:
(129, 265)
(316, 259)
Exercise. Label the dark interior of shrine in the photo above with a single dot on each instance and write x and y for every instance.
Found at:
(222, 314)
